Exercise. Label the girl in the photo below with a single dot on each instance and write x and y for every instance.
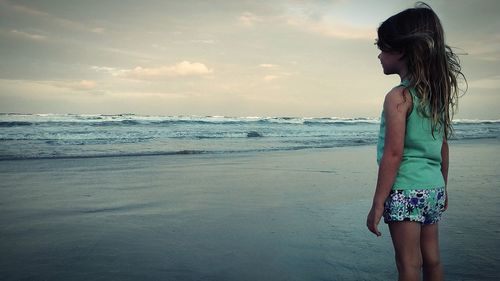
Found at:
(412, 150)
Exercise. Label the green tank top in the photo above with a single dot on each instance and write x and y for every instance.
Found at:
(420, 166)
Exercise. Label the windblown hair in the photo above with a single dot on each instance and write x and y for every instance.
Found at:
(433, 67)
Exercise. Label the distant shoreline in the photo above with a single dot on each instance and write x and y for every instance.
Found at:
(231, 116)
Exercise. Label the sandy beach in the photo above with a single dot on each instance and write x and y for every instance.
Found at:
(297, 215)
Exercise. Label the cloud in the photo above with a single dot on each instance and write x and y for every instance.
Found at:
(273, 72)
(314, 23)
(97, 29)
(63, 22)
(268, 65)
(52, 88)
(279, 75)
(28, 35)
(269, 78)
(25, 10)
(111, 70)
(204, 41)
(78, 85)
(147, 95)
(184, 68)
(83, 85)
(330, 29)
(248, 19)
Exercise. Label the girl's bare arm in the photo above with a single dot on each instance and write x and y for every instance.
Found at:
(444, 167)
(395, 109)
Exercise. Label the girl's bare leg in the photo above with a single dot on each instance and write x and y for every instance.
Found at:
(406, 240)
(429, 244)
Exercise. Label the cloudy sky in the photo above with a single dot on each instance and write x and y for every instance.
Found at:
(232, 58)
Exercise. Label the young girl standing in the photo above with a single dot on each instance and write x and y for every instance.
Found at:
(412, 150)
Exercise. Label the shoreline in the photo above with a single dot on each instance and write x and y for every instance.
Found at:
(196, 153)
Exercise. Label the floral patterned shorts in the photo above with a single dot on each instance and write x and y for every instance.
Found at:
(421, 205)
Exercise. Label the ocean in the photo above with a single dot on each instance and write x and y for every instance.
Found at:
(41, 136)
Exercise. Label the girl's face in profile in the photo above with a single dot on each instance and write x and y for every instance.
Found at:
(391, 62)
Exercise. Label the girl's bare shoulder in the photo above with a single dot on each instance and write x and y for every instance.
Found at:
(399, 99)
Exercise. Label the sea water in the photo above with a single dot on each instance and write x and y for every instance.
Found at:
(33, 136)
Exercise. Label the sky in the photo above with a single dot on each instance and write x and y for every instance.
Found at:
(225, 58)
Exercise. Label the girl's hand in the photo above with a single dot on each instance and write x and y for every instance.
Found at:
(373, 219)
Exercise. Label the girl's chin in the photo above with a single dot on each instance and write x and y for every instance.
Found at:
(388, 72)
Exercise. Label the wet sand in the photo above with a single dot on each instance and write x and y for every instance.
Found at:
(296, 215)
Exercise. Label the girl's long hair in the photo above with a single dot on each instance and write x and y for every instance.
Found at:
(433, 67)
